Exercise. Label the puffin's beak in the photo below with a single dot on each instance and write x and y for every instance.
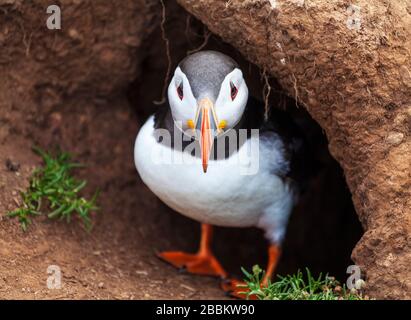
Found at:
(206, 126)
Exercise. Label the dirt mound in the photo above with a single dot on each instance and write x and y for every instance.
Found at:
(349, 65)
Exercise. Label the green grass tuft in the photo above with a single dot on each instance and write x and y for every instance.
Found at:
(55, 191)
(297, 287)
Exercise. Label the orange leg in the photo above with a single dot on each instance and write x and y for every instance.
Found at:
(203, 262)
(232, 286)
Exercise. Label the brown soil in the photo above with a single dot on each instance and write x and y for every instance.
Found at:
(87, 89)
(116, 259)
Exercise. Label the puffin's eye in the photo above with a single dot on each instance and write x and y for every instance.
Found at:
(180, 91)
(234, 91)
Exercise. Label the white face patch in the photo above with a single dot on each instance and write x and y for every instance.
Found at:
(185, 108)
(231, 109)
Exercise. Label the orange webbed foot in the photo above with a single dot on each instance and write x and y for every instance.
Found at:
(236, 289)
(200, 263)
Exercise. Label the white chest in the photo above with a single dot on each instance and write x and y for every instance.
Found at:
(227, 195)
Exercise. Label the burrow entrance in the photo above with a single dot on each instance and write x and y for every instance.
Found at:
(324, 227)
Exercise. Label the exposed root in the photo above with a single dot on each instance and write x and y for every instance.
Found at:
(169, 63)
(207, 35)
(295, 89)
(266, 94)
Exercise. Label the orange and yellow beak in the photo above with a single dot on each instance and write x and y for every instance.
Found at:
(206, 127)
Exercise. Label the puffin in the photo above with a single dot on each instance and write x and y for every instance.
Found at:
(212, 155)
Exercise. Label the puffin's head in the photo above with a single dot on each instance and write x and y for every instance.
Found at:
(208, 95)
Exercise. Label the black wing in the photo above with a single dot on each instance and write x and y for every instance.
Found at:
(297, 150)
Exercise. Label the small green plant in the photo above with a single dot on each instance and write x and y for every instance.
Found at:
(53, 189)
(296, 287)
